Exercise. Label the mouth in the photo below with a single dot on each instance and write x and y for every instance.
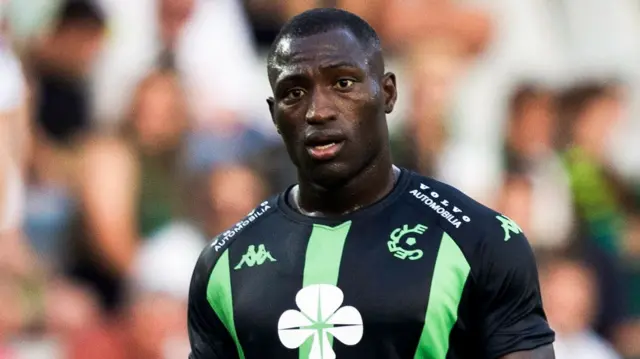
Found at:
(324, 148)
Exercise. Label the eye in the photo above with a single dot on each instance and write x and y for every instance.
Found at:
(294, 94)
(344, 84)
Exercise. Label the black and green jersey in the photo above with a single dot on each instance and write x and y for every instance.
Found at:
(425, 273)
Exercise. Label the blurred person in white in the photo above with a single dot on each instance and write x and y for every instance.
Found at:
(209, 43)
(13, 150)
(29, 302)
(568, 291)
(129, 186)
(15, 258)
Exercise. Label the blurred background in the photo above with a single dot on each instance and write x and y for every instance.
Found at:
(134, 131)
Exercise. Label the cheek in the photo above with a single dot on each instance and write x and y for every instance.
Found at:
(292, 133)
(290, 122)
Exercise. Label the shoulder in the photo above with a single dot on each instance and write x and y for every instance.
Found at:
(257, 219)
(104, 160)
(481, 232)
(454, 211)
(109, 150)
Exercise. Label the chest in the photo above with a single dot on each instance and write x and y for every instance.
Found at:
(380, 276)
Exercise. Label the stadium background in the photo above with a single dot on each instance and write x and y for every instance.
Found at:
(134, 131)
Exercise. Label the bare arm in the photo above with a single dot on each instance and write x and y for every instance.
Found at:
(543, 352)
(108, 178)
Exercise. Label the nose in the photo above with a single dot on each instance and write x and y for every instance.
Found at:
(321, 109)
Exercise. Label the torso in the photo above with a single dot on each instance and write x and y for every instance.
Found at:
(398, 270)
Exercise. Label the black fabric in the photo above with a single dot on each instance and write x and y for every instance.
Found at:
(62, 110)
(499, 311)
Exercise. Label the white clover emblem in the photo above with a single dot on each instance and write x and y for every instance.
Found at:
(320, 315)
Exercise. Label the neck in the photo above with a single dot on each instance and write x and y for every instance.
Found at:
(366, 188)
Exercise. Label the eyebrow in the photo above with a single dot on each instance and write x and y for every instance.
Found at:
(301, 75)
(340, 64)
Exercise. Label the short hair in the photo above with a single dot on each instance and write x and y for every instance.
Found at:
(321, 20)
(87, 12)
(524, 93)
(575, 99)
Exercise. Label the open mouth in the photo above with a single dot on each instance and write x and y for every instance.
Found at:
(324, 148)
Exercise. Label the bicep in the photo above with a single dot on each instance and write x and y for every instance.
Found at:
(107, 184)
(543, 352)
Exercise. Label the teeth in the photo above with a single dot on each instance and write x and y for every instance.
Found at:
(325, 146)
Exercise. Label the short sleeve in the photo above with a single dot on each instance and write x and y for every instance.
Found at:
(208, 336)
(507, 292)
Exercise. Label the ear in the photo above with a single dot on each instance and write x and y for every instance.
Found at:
(390, 91)
(271, 103)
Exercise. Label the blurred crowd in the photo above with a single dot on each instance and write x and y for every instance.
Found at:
(134, 131)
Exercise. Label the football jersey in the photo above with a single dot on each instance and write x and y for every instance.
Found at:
(425, 273)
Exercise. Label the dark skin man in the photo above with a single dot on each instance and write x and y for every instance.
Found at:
(328, 89)
(409, 267)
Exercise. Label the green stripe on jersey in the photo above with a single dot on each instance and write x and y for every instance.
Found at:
(449, 277)
(220, 297)
(322, 263)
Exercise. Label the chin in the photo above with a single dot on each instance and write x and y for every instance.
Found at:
(330, 174)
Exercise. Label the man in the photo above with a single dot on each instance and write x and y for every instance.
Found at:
(360, 259)
(60, 63)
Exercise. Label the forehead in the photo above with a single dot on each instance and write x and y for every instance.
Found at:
(334, 47)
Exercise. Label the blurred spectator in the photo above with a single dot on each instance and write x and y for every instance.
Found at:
(209, 44)
(568, 289)
(153, 322)
(536, 179)
(275, 167)
(130, 185)
(407, 23)
(14, 133)
(116, 217)
(16, 260)
(266, 17)
(589, 114)
(435, 69)
(224, 187)
(236, 142)
(58, 64)
(218, 203)
(153, 326)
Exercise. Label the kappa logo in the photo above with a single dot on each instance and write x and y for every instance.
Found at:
(253, 257)
(509, 226)
(320, 316)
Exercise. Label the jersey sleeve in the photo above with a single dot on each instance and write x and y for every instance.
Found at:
(511, 316)
(208, 337)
